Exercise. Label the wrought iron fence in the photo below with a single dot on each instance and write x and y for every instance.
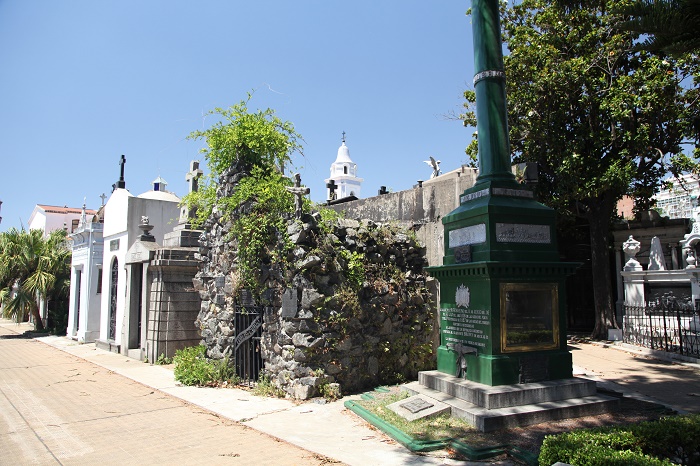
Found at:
(247, 321)
(665, 325)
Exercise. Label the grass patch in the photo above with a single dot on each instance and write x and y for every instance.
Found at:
(431, 428)
(266, 387)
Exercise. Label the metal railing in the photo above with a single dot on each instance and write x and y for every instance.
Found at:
(665, 325)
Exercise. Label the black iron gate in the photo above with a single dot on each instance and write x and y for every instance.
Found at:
(247, 322)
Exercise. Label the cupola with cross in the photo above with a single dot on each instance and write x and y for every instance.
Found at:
(343, 181)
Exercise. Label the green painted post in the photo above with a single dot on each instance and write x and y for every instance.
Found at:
(490, 87)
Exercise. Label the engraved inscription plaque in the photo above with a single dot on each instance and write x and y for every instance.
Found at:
(474, 195)
(534, 369)
(473, 234)
(513, 192)
(416, 405)
(523, 233)
(463, 254)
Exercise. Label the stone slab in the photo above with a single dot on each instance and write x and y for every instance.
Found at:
(419, 407)
(488, 420)
(502, 396)
(107, 346)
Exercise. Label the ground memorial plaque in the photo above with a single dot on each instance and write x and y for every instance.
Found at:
(416, 405)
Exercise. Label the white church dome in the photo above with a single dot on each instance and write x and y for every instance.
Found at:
(343, 154)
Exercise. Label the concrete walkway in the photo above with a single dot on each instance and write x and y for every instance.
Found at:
(640, 373)
(328, 429)
(332, 431)
(57, 409)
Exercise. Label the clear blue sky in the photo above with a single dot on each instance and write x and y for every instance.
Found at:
(84, 81)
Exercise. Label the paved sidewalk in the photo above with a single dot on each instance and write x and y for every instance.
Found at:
(334, 432)
(57, 409)
(633, 371)
(326, 429)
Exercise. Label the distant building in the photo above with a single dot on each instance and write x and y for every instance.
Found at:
(343, 181)
(48, 218)
(681, 199)
(625, 208)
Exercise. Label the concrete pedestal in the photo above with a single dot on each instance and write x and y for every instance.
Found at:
(490, 408)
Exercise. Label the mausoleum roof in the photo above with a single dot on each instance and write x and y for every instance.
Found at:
(159, 196)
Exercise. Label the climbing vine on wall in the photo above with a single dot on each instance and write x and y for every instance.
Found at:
(258, 139)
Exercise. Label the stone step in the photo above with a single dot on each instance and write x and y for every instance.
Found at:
(488, 420)
(503, 396)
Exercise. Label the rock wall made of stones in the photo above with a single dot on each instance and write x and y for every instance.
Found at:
(349, 305)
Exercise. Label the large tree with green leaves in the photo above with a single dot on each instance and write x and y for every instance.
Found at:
(33, 268)
(600, 117)
(671, 26)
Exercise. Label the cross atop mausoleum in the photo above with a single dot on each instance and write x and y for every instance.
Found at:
(192, 177)
(121, 183)
(331, 190)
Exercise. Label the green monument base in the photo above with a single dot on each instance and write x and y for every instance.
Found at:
(505, 370)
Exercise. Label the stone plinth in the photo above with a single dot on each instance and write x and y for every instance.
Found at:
(490, 408)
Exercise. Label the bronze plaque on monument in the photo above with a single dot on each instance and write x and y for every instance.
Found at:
(529, 316)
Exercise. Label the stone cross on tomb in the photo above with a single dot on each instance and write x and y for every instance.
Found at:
(298, 190)
(103, 197)
(331, 190)
(192, 178)
(121, 183)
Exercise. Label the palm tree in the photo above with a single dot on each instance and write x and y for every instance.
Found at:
(672, 26)
(32, 269)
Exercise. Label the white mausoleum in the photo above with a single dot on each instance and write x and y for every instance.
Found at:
(123, 213)
(86, 279)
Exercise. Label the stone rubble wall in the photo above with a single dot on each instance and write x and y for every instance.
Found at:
(420, 208)
(326, 325)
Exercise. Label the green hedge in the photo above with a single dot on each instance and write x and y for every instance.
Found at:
(671, 440)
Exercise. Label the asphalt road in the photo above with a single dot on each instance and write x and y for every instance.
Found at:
(58, 409)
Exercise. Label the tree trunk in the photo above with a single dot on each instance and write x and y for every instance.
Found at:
(38, 323)
(599, 220)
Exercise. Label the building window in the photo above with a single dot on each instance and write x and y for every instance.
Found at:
(99, 280)
(74, 225)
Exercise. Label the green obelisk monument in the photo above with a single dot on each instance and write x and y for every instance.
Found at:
(502, 286)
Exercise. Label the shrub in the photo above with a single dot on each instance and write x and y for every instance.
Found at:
(193, 368)
(163, 360)
(671, 440)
